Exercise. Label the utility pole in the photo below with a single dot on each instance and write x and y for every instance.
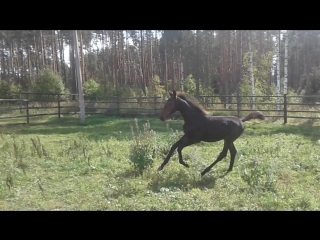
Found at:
(79, 77)
(181, 72)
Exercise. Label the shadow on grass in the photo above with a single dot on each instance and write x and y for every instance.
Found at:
(129, 173)
(306, 129)
(181, 180)
(97, 127)
(94, 128)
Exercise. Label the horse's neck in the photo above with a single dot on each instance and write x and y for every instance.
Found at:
(186, 111)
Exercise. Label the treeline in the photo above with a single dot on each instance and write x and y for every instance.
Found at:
(144, 62)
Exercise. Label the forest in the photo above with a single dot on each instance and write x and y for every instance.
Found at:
(151, 62)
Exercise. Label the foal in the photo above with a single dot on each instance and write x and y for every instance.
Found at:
(200, 126)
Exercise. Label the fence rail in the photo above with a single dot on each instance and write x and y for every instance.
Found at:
(31, 105)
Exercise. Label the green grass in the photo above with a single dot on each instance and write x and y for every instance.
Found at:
(63, 165)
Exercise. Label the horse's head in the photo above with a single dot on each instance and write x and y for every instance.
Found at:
(170, 106)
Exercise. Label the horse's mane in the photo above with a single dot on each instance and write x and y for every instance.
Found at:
(193, 102)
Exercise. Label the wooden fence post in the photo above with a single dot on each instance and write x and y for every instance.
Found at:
(285, 109)
(118, 104)
(238, 105)
(27, 108)
(59, 113)
(238, 99)
(155, 104)
(20, 103)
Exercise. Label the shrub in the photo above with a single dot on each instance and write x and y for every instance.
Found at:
(190, 85)
(7, 88)
(310, 83)
(92, 88)
(259, 177)
(157, 89)
(143, 148)
(48, 82)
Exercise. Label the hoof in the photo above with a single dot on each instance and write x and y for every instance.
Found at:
(185, 164)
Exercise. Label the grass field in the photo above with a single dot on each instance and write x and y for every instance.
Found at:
(63, 165)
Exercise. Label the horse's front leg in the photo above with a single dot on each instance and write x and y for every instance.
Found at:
(173, 147)
(185, 141)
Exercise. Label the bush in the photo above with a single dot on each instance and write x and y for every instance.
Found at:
(157, 89)
(6, 89)
(259, 177)
(190, 85)
(92, 88)
(124, 92)
(261, 70)
(310, 83)
(143, 148)
(48, 82)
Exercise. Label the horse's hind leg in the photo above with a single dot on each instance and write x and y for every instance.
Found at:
(232, 148)
(221, 156)
(233, 153)
(185, 141)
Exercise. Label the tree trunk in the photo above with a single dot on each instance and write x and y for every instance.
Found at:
(104, 79)
(285, 84)
(29, 66)
(36, 52)
(278, 69)
(84, 79)
(151, 56)
(11, 59)
(56, 51)
(142, 65)
(53, 53)
(251, 74)
(17, 64)
(181, 72)
(228, 68)
(115, 57)
(198, 64)
(165, 64)
(206, 84)
(111, 59)
(22, 61)
(73, 81)
(128, 61)
(124, 67)
(42, 51)
(3, 65)
(61, 50)
(121, 58)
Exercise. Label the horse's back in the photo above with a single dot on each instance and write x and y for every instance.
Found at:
(228, 123)
(220, 127)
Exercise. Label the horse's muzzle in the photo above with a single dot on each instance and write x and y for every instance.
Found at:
(162, 118)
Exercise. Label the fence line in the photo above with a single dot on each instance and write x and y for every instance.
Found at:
(150, 105)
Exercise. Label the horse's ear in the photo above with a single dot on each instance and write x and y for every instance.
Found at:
(174, 94)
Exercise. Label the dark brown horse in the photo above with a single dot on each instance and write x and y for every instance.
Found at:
(200, 126)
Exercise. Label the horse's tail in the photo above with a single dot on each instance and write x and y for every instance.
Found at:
(253, 115)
